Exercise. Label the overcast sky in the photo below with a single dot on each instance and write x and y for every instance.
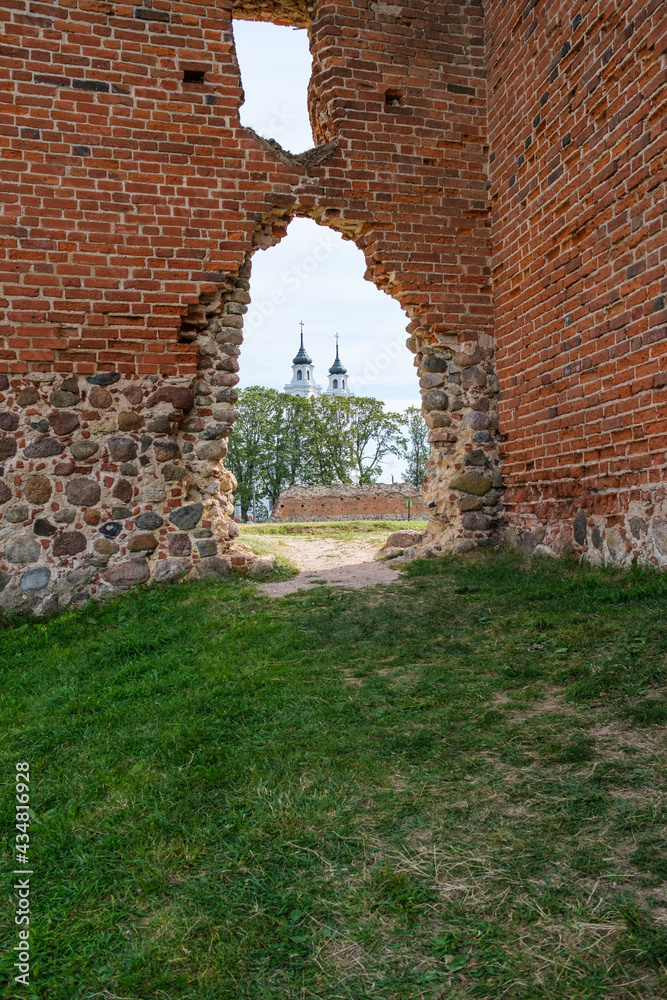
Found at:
(314, 274)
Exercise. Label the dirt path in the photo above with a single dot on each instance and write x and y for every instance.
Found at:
(335, 563)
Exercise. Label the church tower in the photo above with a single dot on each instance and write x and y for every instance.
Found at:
(303, 374)
(338, 378)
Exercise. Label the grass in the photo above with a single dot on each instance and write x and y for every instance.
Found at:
(340, 530)
(451, 787)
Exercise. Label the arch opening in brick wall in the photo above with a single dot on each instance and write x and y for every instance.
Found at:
(311, 272)
(314, 274)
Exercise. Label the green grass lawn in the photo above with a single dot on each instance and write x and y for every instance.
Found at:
(345, 531)
(451, 787)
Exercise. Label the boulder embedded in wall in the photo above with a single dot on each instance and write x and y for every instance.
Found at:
(166, 450)
(124, 575)
(214, 568)
(227, 396)
(476, 419)
(580, 528)
(70, 543)
(64, 422)
(7, 448)
(129, 421)
(122, 491)
(436, 418)
(62, 399)
(27, 397)
(44, 528)
(83, 492)
(122, 449)
(467, 482)
(475, 522)
(469, 503)
(81, 450)
(171, 569)
(188, 517)
(180, 397)
(211, 451)
(142, 543)
(180, 545)
(111, 529)
(562, 543)
(473, 378)
(173, 473)
(44, 448)
(615, 543)
(159, 425)
(105, 547)
(434, 363)
(435, 399)
(104, 378)
(37, 489)
(100, 399)
(148, 521)
(5, 492)
(8, 421)
(133, 394)
(17, 513)
(155, 492)
(207, 547)
(23, 550)
(35, 579)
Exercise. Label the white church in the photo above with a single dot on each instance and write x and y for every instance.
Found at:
(303, 376)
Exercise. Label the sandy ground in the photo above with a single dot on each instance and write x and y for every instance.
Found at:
(325, 560)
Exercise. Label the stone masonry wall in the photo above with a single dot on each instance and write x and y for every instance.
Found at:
(133, 201)
(381, 501)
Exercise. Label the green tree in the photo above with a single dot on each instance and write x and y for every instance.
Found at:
(280, 440)
(287, 423)
(328, 456)
(372, 434)
(416, 449)
(249, 443)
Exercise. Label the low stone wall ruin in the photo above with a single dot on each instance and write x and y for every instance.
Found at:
(376, 502)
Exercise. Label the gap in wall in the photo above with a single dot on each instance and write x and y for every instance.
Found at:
(276, 66)
(316, 276)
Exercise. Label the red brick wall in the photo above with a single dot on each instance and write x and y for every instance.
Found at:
(349, 503)
(132, 203)
(127, 191)
(578, 135)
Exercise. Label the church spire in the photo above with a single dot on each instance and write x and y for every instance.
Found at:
(338, 377)
(302, 356)
(337, 368)
(303, 374)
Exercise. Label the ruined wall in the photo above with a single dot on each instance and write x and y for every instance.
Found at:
(381, 501)
(578, 134)
(132, 204)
